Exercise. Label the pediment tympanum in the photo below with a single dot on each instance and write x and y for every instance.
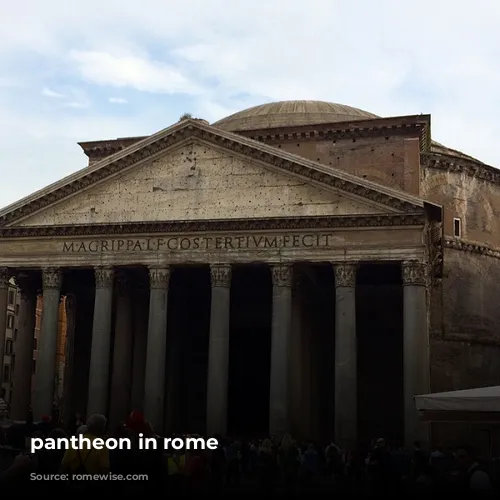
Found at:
(195, 172)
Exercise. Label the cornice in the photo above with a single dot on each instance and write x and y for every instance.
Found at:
(151, 146)
(465, 246)
(465, 338)
(332, 132)
(453, 164)
(382, 127)
(340, 222)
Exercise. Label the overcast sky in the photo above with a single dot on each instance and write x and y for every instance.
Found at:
(74, 70)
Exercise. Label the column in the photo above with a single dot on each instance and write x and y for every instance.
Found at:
(121, 379)
(218, 350)
(68, 410)
(4, 292)
(43, 393)
(298, 417)
(416, 375)
(279, 405)
(156, 350)
(101, 342)
(23, 348)
(346, 392)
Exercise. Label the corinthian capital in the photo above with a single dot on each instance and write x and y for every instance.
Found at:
(104, 277)
(159, 277)
(220, 275)
(51, 279)
(345, 274)
(4, 278)
(282, 274)
(414, 273)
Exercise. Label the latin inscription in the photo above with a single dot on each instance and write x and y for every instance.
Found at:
(185, 243)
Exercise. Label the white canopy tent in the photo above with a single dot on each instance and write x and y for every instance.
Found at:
(483, 399)
(479, 406)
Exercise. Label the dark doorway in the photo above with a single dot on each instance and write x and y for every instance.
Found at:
(187, 348)
(316, 282)
(82, 285)
(379, 317)
(249, 351)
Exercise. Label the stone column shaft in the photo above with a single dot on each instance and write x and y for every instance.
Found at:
(156, 351)
(101, 342)
(121, 379)
(346, 390)
(218, 350)
(43, 394)
(4, 293)
(416, 376)
(69, 358)
(298, 416)
(279, 403)
(24, 343)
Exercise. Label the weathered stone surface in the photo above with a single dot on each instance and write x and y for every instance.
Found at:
(198, 182)
(389, 161)
(363, 244)
(470, 297)
(474, 201)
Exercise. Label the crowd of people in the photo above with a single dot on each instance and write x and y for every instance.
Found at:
(266, 466)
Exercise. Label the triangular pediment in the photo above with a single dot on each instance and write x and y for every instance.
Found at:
(193, 171)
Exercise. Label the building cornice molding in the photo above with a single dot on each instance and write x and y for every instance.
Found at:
(288, 223)
(150, 147)
(340, 131)
(379, 127)
(454, 164)
(464, 338)
(467, 246)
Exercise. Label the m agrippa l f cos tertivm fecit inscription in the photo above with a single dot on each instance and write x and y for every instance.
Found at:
(185, 243)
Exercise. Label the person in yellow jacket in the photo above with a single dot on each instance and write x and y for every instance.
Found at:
(176, 464)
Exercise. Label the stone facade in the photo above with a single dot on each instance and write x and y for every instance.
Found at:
(12, 320)
(371, 190)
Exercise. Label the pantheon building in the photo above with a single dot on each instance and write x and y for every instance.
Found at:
(299, 266)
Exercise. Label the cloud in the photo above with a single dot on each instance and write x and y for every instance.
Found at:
(50, 93)
(117, 100)
(168, 57)
(131, 72)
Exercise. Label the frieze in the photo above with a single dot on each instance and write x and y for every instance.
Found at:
(282, 274)
(152, 146)
(51, 279)
(329, 222)
(345, 275)
(201, 243)
(220, 275)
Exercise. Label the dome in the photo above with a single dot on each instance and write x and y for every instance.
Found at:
(291, 114)
(302, 113)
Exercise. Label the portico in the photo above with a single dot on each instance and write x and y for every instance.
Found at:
(115, 236)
